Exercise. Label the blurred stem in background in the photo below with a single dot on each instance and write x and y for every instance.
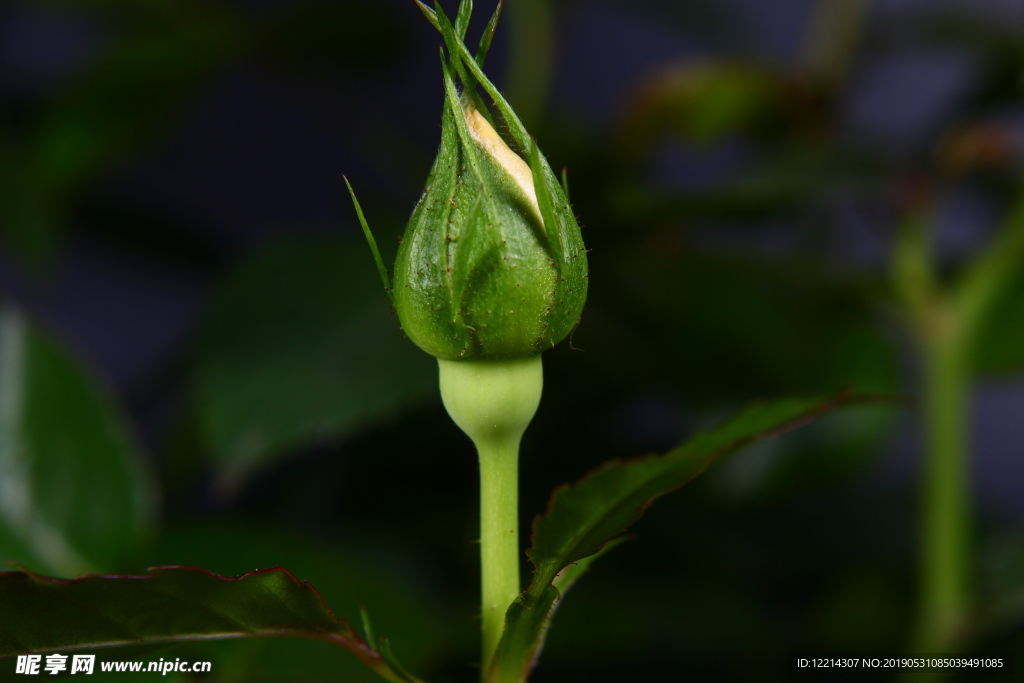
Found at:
(946, 322)
(946, 510)
(530, 58)
(833, 35)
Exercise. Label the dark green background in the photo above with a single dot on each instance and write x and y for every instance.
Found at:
(207, 322)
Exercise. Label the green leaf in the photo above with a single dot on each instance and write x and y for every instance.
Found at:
(998, 348)
(570, 574)
(299, 348)
(583, 518)
(526, 626)
(40, 614)
(74, 495)
(350, 579)
(989, 275)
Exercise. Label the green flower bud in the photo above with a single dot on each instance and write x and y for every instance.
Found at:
(492, 269)
(492, 265)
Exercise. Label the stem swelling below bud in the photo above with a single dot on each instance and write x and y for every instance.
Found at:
(493, 402)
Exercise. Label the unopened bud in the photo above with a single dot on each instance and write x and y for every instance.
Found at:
(480, 273)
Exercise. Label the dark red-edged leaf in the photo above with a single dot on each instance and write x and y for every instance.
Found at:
(40, 614)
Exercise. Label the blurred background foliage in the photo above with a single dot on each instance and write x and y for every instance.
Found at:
(197, 365)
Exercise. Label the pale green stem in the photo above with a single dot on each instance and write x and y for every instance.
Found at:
(944, 338)
(499, 537)
(493, 402)
(948, 324)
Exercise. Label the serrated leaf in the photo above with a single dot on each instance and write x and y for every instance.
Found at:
(299, 348)
(528, 620)
(40, 614)
(571, 573)
(526, 624)
(349, 580)
(74, 494)
(582, 518)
